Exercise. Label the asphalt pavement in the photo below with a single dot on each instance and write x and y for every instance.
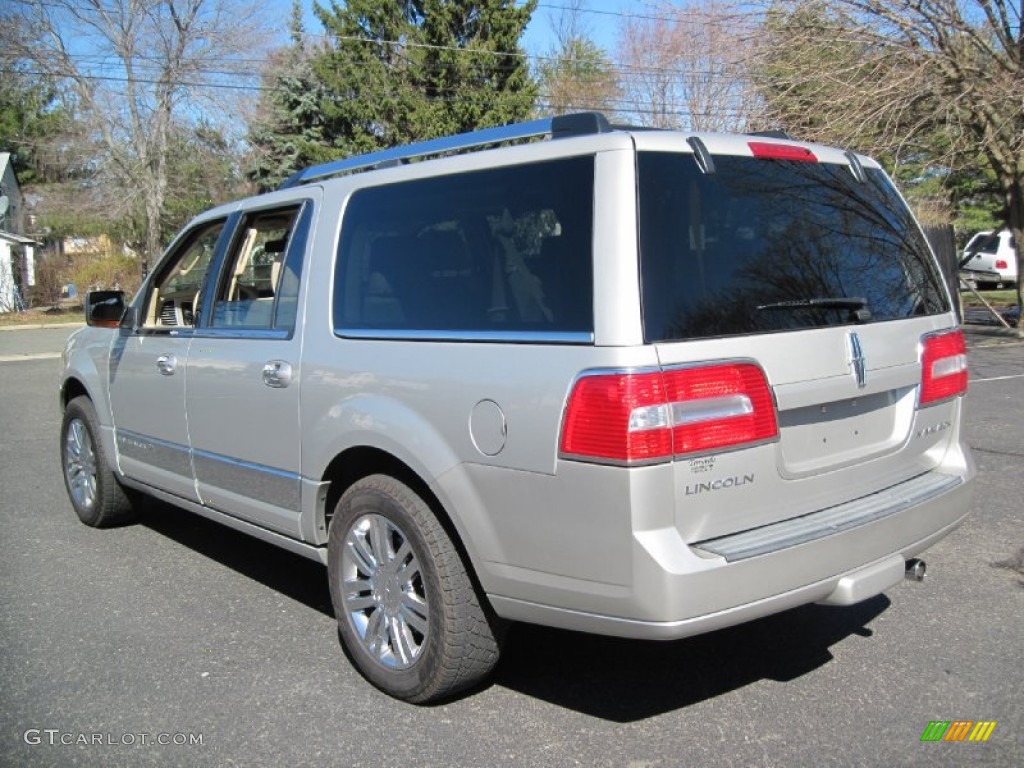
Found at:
(178, 630)
(20, 343)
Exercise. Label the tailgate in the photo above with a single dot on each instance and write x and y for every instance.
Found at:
(848, 419)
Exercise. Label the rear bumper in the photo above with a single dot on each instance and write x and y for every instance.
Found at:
(679, 590)
(988, 276)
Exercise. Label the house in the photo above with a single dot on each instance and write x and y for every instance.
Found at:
(17, 252)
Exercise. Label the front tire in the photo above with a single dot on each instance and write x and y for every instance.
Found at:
(408, 612)
(95, 493)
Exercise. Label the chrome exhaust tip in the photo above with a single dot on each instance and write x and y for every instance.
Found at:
(915, 569)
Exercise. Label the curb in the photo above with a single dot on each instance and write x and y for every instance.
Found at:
(40, 326)
(29, 357)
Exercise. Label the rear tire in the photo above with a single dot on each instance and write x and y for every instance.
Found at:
(408, 612)
(95, 493)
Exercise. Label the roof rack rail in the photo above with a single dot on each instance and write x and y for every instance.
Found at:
(560, 126)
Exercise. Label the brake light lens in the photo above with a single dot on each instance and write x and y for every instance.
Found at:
(631, 418)
(768, 150)
(616, 417)
(943, 367)
(1002, 264)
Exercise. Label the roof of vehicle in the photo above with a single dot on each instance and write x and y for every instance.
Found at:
(578, 125)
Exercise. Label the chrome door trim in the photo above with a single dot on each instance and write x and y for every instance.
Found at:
(161, 454)
(245, 478)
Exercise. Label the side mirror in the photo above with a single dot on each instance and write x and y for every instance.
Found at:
(104, 309)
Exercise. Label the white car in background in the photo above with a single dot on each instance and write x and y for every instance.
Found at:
(990, 258)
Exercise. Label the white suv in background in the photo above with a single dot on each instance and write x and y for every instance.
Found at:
(990, 258)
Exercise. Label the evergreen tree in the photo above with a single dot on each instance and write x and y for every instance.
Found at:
(405, 70)
(33, 122)
(203, 173)
(287, 133)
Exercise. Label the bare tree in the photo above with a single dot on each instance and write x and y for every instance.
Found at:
(136, 68)
(934, 80)
(687, 68)
(576, 74)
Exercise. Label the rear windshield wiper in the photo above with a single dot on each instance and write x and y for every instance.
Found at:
(861, 313)
(824, 303)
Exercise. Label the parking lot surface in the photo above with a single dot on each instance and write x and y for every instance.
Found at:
(177, 630)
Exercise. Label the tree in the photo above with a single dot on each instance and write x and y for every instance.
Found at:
(401, 70)
(576, 75)
(286, 133)
(158, 56)
(203, 163)
(686, 68)
(32, 121)
(934, 83)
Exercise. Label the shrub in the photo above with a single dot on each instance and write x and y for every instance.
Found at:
(50, 280)
(103, 272)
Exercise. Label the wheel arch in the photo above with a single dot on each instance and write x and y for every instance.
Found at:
(84, 373)
(357, 462)
(71, 388)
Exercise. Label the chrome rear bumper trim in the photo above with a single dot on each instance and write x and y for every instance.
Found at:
(829, 521)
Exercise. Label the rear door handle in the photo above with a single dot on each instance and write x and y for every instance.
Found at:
(166, 364)
(277, 374)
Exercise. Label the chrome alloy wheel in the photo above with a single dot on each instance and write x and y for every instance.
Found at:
(80, 464)
(383, 592)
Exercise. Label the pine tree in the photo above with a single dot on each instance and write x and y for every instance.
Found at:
(34, 123)
(404, 70)
(287, 133)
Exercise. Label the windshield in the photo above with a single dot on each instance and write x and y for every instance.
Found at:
(775, 245)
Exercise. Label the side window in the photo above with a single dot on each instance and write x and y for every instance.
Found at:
(506, 250)
(259, 284)
(174, 296)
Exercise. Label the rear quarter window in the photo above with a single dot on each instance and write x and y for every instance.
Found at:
(486, 254)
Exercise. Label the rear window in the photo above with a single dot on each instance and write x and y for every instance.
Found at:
(988, 243)
(775, 245)
(502, 253)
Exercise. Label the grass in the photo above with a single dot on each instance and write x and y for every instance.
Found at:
(1004, 298)
(48, 316)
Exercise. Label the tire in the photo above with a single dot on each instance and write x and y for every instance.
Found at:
(95, 493)
(408, 613)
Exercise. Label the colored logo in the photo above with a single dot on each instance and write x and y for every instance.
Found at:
(958, 730)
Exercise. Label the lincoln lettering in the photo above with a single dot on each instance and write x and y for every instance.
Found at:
(717, 485)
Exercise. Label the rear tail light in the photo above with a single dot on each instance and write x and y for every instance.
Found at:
(768, 150)
(943, 367)
(1002, 264)
(650, 416)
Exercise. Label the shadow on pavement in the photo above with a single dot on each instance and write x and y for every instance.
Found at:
(629, 680)
(292, 575)
(610, 678)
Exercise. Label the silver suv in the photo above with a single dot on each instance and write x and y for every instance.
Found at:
(639, 383)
